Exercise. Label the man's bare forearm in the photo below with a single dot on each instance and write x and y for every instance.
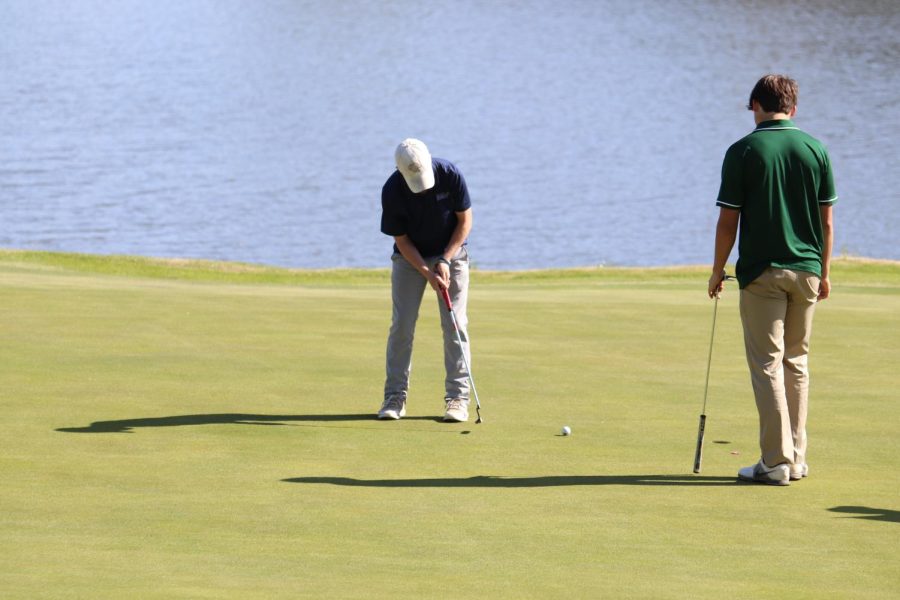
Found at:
(460, 233)
(412, 255)
(726, 234)
(828, 242)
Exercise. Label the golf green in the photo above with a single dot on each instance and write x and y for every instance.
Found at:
(201, 430)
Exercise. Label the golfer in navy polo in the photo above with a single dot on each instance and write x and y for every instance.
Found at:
(426, 208)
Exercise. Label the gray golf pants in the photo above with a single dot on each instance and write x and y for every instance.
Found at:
(407, 289)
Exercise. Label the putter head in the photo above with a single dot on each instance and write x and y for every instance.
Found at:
(478, 421)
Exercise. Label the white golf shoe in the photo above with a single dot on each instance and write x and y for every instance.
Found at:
(760, 473)
(394, 407)
(800, 471)
(457, 409)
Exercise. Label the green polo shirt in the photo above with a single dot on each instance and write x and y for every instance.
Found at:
(777, 176)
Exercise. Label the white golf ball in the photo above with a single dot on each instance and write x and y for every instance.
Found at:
(566, 430)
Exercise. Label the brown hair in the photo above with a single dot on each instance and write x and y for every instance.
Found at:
(775, 93)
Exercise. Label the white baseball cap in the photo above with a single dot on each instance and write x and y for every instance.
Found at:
(414, 162)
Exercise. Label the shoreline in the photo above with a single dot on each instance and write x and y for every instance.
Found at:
(193, 269)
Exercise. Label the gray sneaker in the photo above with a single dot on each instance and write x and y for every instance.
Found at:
(800, 471)
(394, 407)
(457, 409)
(760, 473)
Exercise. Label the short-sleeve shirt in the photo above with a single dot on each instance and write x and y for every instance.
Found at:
(428, 218)
(778, 177)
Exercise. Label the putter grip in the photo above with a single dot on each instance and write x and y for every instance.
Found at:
(698, 455)
(446, 296)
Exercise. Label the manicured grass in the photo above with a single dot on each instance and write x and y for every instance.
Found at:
(202, 430)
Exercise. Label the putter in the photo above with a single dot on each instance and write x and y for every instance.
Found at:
(447, 302)
(698, 454)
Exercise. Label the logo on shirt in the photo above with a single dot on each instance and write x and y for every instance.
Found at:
(442, 196)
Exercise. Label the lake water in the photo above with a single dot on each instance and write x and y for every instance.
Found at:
(590, 132)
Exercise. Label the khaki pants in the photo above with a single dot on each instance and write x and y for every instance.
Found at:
(777, 313)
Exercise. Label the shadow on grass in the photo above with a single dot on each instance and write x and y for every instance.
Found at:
(489, 481)
(127, 425)
(871, 514)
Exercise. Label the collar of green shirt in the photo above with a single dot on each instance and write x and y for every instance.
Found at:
(777, 124)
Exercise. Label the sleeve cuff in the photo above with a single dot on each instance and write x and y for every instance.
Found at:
(727, 205)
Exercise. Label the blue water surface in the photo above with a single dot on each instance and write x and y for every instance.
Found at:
(590, 132)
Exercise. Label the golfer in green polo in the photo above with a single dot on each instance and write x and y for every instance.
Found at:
(778, 188)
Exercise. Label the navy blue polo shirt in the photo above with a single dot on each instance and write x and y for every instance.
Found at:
(429, 218)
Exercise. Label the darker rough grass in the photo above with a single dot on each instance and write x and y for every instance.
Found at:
(846, 271)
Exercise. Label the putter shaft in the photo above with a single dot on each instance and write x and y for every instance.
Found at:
(449, 305)
(698, 454)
